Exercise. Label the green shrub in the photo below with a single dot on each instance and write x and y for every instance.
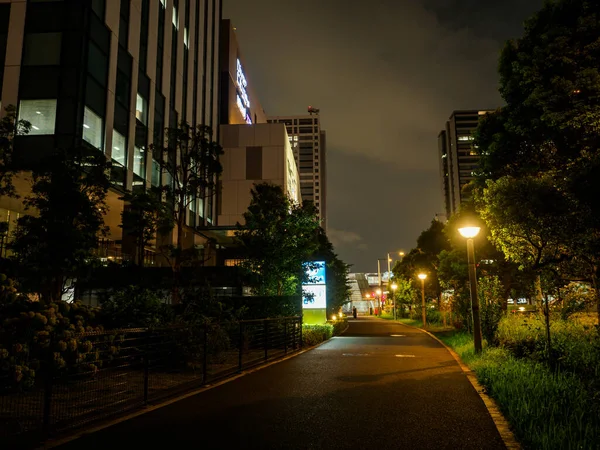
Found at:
(339, 326)
(575, 345)
(315, 334)
(135, 307)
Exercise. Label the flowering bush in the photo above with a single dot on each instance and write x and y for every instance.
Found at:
(36, 337)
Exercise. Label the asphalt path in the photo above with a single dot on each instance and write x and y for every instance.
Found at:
(379, 386)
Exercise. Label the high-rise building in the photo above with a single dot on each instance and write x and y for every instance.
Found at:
(238, 101)
(457, 158)
(111, 76)
(308, 143)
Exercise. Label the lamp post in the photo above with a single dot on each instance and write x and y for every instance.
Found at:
(470, 233)
(394, 287)
(379, 279)
(422, 277)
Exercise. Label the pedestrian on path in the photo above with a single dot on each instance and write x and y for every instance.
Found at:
(354, 312)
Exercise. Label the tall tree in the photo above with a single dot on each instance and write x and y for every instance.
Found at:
(277, 238)
(67, 207)
(143, 217)
(191, 162)
(550, 80)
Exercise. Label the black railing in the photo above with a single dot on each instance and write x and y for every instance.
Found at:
(68, 383)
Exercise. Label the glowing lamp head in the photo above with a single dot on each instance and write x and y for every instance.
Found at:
(469, 232)
(401, 253)
(422, 276)
(367, 295)
(334, 317)
(378, 291)
(394, 287)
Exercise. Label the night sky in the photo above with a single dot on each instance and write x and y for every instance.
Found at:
(386, 75)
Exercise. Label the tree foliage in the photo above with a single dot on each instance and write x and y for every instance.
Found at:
(277, 238)
(10, 126)
(191, 163)
(60, 235)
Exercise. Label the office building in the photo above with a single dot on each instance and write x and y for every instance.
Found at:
(458, 159)
(238, 101)
(255, 154)
(308, 142)
(111, 75)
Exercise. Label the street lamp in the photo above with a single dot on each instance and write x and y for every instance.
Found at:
(469, 233)
(394, 287)
(422, 277)
(378, 292)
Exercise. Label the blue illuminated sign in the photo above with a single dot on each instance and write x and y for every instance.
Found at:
(315, 286)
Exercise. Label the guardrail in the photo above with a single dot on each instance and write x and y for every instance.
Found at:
(92, 376)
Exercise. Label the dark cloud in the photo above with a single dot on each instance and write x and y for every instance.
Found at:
(386, 75)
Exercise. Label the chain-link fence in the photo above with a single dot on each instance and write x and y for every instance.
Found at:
(56, 385)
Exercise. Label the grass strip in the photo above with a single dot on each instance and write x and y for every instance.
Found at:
(546, 410)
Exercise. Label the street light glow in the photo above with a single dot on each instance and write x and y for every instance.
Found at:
(401, 253)
(422, 276)
(469, 232)
(394, 287)
(378, 291)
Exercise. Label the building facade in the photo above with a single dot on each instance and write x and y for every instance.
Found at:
(458, 159)
(259, 153)
(308, 143)
(111, 75)
(238, 101)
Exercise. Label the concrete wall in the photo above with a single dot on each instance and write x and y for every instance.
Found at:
(270, 143)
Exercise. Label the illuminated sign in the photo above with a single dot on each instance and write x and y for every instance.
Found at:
(315, 286)
(319, 297)
(243, 102)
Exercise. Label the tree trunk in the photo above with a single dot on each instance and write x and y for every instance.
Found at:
(539, 296)
(175, 294)
(548, 340)
(596, 293)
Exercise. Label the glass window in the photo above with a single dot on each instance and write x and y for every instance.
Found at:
(92, 128)
(139, 161)
(155, 180)
(98, 7)
(41, 49)
(41, 114)
(141, 109)
(119, 150)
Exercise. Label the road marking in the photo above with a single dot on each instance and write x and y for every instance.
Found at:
(355, 354)
(405, 356)
(397, 335)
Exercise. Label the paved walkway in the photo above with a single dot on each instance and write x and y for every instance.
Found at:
(379, 386)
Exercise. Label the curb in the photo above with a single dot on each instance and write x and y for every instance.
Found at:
(52, 443)
(500, 421)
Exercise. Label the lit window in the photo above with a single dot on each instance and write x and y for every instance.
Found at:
(139, 161)
(466, 138)
(175, 18)
(141, 109)
(92, 128)
(119, 150)
(186, 37)
(41, 114)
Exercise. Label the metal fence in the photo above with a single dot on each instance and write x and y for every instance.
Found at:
(67, 383)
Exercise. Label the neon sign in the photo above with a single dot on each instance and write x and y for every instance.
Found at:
(243, 103)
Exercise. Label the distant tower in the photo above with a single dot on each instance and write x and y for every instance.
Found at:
(457, 157)
(308, 142)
